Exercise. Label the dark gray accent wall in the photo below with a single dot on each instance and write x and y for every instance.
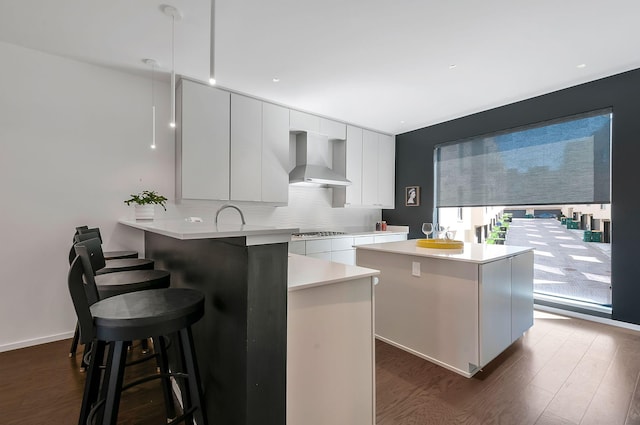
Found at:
(414, 166)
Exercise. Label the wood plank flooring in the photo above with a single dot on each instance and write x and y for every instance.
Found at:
(564, 371)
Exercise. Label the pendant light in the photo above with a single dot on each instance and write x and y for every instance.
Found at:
(212, 45)
(175, 15)
(153, 65)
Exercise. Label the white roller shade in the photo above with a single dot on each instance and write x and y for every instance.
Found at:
(563, 161)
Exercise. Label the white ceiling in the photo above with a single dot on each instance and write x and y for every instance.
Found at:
(382, 64)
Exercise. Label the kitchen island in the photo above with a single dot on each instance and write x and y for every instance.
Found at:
(330, 343)
(456, 308)
(241, 342)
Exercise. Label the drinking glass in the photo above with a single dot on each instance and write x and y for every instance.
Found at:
(427, 229)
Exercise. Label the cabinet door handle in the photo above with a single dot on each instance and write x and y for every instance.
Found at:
(376, 280)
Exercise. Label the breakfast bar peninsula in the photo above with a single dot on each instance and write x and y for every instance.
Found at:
(241, 343)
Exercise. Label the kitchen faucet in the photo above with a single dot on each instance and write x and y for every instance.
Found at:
(224, 207)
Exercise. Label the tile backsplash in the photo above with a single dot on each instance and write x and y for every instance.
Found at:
(309, 209)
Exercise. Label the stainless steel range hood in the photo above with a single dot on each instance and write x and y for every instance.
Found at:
(312, 162)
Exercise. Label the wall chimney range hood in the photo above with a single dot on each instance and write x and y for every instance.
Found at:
(312, 162)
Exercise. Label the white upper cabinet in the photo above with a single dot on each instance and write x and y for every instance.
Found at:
(301, 121)
(368, 159)
(230, 147)
(347, 160)
(386, 170)
(369, 168)
(202, 142)
(378, 169)
(275, 153)
(334, 129)
(246, 148)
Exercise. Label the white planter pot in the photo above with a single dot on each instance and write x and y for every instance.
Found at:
(144, 212)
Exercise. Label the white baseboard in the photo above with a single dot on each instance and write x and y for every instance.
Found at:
(589, 317)
(35, 341)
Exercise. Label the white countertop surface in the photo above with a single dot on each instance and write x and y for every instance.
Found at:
(471, 253)
(182, 229)
(306, 272)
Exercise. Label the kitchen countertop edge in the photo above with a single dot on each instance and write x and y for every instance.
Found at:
(471, 253)
(307, 272)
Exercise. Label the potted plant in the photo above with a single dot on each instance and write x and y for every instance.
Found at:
(144, 203)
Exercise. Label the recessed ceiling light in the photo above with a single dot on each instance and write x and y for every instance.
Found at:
(453, 65)
(276, 80)
(401, 122)
(582, 65)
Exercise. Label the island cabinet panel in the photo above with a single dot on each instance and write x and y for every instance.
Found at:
(495, 308)
(330, 355)
(432, 315)
(458, 310)
(521, 290)
(202, 142)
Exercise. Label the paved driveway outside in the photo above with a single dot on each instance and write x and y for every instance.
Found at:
(564, 265)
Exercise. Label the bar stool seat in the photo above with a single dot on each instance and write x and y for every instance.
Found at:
(130, 316)
(117, 283)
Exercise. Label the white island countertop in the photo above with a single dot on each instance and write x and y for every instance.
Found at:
(306, 272)
(471, 253)
(183, 229)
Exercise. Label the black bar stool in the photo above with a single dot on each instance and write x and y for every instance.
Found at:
(125, 317)
(108, 255)
(115, 283)
(115, 265)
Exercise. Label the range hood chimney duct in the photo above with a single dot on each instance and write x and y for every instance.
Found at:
(312, 162)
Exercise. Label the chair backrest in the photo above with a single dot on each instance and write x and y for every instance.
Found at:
(91, 230)
(79, 238)
(77, 233)
(83, 296)
(90, 251)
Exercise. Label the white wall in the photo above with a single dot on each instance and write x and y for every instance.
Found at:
(74, 143)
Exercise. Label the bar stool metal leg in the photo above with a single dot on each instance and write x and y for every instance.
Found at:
(189, 354)
(161, 348)
(113, 383)
(92, 384)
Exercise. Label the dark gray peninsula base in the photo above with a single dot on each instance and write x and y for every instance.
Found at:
(241, 343)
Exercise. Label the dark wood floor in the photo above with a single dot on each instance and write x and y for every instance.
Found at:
(563, 371)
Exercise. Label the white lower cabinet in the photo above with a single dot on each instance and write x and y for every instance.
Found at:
(330, 355)
(341, 249)
(389, 238)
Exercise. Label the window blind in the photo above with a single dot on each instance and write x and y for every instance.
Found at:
(565, 161)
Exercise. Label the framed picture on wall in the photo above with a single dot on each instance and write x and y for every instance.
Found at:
(412, 196)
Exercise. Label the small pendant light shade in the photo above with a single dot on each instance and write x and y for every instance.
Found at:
(153, 64)
(175, 15)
